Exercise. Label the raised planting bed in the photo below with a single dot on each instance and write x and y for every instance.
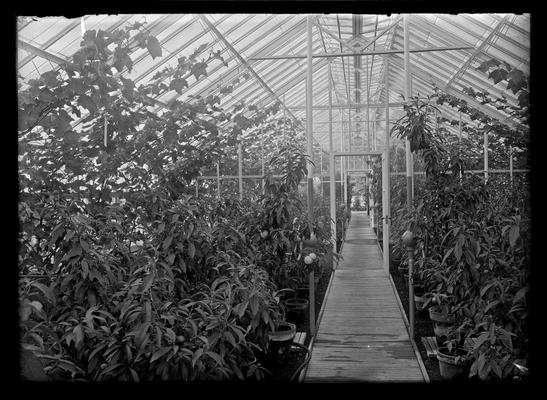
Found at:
(297, 355)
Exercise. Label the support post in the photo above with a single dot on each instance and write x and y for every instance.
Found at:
(240, 169)
(409, 164)
(309, 123)
(332, 183)
(285, 116)
(262, 160)
(511, 164)
(485, 156)
(344, 160)
(386, 184)
(460, 142)
(367, 83)
(218, 179)
(321, 169)
(409, 242)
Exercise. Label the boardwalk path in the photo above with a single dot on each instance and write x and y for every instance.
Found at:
(362, 335)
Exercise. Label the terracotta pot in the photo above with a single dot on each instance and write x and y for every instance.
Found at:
(303, 290)
(280, 342)
(441, 330)
(440, 314)
(311, 243)
(296, 310)
(450, 366)
(419, 289)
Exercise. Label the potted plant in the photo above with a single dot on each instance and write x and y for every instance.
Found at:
(454, 361)
(441, 318)
(296, 309)
(280, 340)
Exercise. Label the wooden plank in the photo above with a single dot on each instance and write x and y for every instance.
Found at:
(430, 344)
(362, 335)
(300, 338)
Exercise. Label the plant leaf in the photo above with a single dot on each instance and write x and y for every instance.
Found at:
(159, 353)
(196, 356)
(147, 282)
(153, 46)
(514, 234)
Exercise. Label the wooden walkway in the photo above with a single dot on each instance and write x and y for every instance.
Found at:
(362, 335)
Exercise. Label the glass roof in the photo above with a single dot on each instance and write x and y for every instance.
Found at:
(43, 43)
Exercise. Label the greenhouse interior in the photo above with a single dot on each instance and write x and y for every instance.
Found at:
(274, 197)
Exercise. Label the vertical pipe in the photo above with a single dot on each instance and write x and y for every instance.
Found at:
(511, 164)
(485, 156)
(460, 142)
(410, 250)
(197, 187)
(343, 169)
(332, 183)
(366, 105)
(344, 160)
(105, 129)
(309, 123)
(218, 179)
(409, 165)
(284, 116)
(262, 157)
(386, 188)
(321, 168)
(240, 169)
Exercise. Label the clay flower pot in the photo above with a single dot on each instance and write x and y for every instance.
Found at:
(453, 364)
(442, 321)
(280, 342)
(439, 314)
(296, 309)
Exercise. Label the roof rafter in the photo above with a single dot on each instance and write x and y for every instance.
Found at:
(49, 42)
(478, 50)
(245, 64)
(423, 75)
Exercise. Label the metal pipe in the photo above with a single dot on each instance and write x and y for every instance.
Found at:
(309, 123)
(343, 106)
(386, 184)
(409, 166)
(218, 179)
(332, 184)
(409, 242)
(262, 159)
(240, 169)
(360, 53)
(485, 149)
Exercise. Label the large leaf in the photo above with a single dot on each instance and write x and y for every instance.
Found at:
(159, 353)
(514, 234)
(147, 282)
(48, 292)
(498, 75)
(153, 46)
(214, 356)
(196, 356)
(50, 78)
(178, 85)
